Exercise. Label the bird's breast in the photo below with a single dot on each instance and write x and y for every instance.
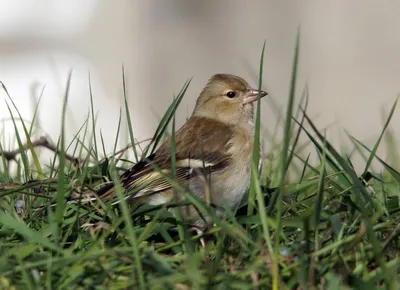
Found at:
(237, 175)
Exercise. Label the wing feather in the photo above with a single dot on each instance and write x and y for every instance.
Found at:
(201, 143)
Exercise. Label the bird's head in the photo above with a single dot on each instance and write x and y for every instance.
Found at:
(227, 98)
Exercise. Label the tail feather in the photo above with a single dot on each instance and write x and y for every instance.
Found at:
(107, 191)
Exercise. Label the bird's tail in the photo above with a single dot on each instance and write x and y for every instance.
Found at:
(107, 192)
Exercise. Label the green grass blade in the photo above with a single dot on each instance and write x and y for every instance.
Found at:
(165, 120)
(60, 207)
(256, 144)
(117, 133)
(128, 117)
(261, 210)
(320, 194)
(27, 136)
(297, 136)
(183, 234)
(373, 152)
(5, 163)
(393, 172)
(24, 157)
(36, 111)
(95, 151)
(129, 227)
(277, 200)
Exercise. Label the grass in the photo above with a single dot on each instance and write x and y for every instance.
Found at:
(320, 225)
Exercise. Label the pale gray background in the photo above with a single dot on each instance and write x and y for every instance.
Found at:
(349, 58)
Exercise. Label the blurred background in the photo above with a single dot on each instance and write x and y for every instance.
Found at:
(349, 57)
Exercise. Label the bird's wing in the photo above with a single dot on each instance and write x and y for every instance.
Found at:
(201, 146)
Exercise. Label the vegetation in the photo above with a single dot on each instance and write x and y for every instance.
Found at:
(325, 227)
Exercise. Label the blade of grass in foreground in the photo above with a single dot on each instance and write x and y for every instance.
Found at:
(297, 136)
(128, 117)
(117, 134)
(59, 214)
(373, 152)
(165, 121)
(261, 210)
(318, 205)
(5, 163)
(95, 151)
(394, 173)
(277, 198)
(128, 226)
(24, 157)
(126, 214)
(256, 144)
(28, 138)
(187, 245)
(255, 188)
(36, 112)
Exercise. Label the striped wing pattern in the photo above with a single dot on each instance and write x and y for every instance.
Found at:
(201, 147)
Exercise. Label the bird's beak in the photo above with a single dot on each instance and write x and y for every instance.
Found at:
(252, 95)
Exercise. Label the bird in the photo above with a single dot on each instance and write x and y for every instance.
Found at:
(213, 154)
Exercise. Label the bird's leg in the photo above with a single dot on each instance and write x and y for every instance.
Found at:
(202, 239)
(200, 233)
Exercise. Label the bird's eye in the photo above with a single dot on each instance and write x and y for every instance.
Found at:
(231, 94)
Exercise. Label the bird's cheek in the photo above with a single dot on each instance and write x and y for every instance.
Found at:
(229, 110)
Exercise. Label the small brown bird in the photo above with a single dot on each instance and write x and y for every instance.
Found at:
(213, 153)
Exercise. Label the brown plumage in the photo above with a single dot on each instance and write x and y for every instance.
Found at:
(213, 152)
